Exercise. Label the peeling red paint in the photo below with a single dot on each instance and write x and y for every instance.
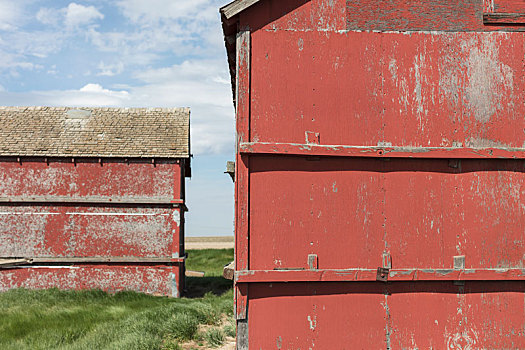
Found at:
(158, 280)
(131, 210)
(380, 174)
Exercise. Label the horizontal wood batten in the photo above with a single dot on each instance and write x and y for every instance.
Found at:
(89, 200)
(385, 152)
(367, 275)
(504, 18)
(89, 260)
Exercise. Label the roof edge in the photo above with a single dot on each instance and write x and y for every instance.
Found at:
(101, 108)
(236, 7)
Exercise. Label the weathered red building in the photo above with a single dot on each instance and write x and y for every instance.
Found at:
(93, 198)
(380, 183)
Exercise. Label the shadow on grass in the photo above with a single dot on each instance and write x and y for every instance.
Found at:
(197, 287)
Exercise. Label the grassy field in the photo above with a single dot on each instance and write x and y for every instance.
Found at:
(54, 319)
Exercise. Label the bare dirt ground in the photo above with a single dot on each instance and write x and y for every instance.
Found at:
(222, 242)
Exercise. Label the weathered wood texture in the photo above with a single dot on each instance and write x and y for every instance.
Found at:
(428, 15)
(369, 89)
(157, 280)
(242, 164)
(236, 7)
(370, 275)
(300, 207)
(295, 15)
(375, 315)
(504, 18)
(508, 6)
(373, 129)
(395, 15)
(381, 151)
(92, 212)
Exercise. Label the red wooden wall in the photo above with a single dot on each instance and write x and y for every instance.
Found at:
(112, 224)
(380, 181)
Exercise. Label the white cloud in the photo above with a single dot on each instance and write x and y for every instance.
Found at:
(110, 70)
(72, 16)
(10, 13)
(204, 86)
(52, 70)
(49, 16)
(90, 95)
(20, 48)
(155, 10)
(159, 26)
(78, 15)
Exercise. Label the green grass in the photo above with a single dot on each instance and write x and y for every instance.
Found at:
(211, 261)
(214, 337)
(54, 319)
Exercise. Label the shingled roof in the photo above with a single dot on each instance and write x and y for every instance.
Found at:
(95, 132)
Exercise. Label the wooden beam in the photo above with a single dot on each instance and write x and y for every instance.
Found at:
(236, 7)
(91, 200)
(381, 152)
(98, 260)
(229, 271)
(242, 173)
(89, 260)
(504, 18)
(6, 263)
(194, 273)
(368, 275)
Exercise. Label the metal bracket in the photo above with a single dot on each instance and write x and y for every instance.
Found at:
(382, 274)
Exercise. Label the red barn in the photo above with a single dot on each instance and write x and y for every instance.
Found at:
(380, 182)
(93, 198)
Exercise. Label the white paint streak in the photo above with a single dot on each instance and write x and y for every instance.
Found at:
(465, 340)
(18, 213)
(176, 217)
(313, 322)
(489, 80)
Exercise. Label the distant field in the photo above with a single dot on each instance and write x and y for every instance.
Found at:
(54, 319)
(221, 242)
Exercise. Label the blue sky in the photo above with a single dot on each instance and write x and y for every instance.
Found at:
(131, 53)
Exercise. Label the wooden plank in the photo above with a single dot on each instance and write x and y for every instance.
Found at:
(242, 335)
(508, 6)
(89, 200)
(242, 182)
(151, 279)
(229, 271)
(504, 18)
(98, 260)
(394, 275)
(385, 152)
(194, 273)
(5, 263)
(236, 7)
(424, 15)
(378, 111)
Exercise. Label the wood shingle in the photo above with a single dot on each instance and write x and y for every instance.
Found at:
(95, 132)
